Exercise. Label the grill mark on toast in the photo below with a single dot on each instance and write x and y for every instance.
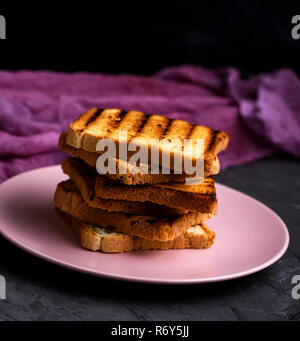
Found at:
(122, 115)
(191, 131)
(118, 120)
(93, 117)
(215, 133)
(164, 133)
(109, 121)
(143, 123)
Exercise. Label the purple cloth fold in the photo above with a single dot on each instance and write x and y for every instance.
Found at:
(262, 113)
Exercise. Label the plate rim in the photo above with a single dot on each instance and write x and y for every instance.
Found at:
(113, 276)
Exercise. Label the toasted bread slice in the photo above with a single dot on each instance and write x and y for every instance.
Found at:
(134, 177)
(201, 198)
(152, 131)
(68, 199)
(97, 238)
(84, 178)
(99, 191)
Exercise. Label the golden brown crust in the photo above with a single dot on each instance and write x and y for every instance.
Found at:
(118, 242)
(210, 167)
(199, 198)
(84, 179)
(68, 199)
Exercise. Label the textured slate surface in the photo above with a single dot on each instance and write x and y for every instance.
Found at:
(37, 290)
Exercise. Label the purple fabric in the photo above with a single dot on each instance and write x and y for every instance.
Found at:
(262, 113)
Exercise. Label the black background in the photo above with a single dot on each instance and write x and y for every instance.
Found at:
(142, 37)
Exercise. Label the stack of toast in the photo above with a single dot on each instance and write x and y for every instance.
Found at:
(136, 210)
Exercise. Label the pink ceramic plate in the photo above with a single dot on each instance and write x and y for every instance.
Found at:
(249, 237)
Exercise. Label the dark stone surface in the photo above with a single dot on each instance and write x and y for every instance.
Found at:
(37, 290)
